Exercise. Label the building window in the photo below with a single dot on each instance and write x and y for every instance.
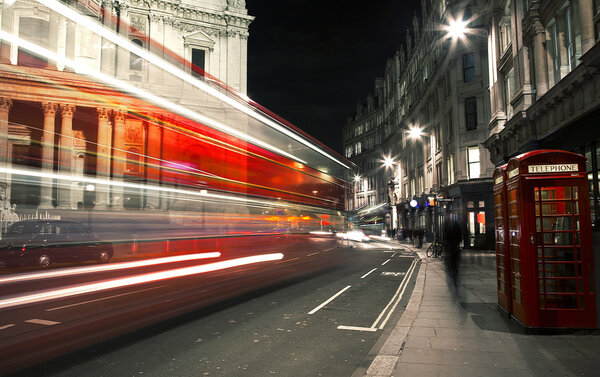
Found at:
(554, 50)
(505, 29)
(198, 61)
(133, 160)
(507, 95)
(471, 113)
(450, 167)
(473, 162)
(36, 31)
(349, 151)
(450, 126)
(135, 62)
(468, 67)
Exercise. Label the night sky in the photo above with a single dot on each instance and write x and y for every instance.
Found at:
(309, 61)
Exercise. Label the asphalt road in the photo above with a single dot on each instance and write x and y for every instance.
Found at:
(323, 324)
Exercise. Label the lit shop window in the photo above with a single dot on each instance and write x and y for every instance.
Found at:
(473, 162)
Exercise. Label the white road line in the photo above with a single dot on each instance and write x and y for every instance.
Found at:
(103, 298)
(356, 328)
(367, 274)
(405, 283)
(331, 248)
(385, 262)
(311, 254)
(42, 322)
(398, 292)
(328, 301)
(7, 326)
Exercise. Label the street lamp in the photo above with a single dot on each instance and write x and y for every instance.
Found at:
(388, 162)
(415, 132)
(456, 29)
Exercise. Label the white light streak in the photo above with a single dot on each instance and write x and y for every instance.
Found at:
(52, 294)
(99, 181)
(105, 267)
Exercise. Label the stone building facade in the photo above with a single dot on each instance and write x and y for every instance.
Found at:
(544, 83)
(56, 120)
(437, 84)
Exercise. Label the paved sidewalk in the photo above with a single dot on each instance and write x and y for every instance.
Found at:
(444, 332)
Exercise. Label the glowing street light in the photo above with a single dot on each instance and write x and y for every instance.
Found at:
(357, 178)
(388, 162)
(456, 29)
(415, 132)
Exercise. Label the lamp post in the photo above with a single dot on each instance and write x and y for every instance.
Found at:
(416, 133)
(357, 187)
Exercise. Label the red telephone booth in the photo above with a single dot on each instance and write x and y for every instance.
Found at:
(550, 240)
(502, 246)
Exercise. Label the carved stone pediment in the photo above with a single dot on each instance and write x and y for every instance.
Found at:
(200, 39)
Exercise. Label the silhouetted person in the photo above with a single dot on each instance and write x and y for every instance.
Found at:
(452, 239)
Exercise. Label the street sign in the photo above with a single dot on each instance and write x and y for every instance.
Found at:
(445, 200)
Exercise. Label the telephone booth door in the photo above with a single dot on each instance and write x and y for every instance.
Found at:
(550, 241)
(502, 248)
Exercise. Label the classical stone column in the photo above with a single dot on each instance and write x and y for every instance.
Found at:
(6, 22)
(53, 35)
(65, 154)
(118, 157)
(586, 25)
(108, 49)
(561, 25)
(103, 156)
(5, 105)
(541, 65)
(71, 29)
(123, 54)
(48, 137)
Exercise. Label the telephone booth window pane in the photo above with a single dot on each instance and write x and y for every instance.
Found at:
(575, 193)
(576, 219)
(561, 302)
(516, 266)
(554, 193)
(512, 195)
(559, 254)
(559, 269)
(536, 194)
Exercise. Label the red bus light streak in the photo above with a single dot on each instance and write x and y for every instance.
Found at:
(106, 267)
(47, 295)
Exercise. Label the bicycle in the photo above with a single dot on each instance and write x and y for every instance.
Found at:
(435, 249)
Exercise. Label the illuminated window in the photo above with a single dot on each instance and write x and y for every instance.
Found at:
(473, 162)
(450, 167)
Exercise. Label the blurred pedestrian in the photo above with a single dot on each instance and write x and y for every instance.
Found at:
(452, 239)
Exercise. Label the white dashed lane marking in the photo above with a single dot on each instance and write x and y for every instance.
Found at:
(6, 326)
(42, 322)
